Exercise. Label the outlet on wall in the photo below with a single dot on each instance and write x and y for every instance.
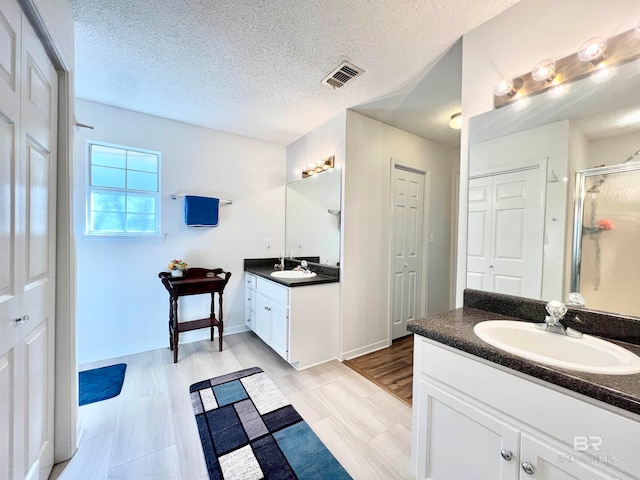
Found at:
(268, 243)
(299, 243)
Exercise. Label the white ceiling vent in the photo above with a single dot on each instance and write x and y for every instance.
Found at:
(342, 74)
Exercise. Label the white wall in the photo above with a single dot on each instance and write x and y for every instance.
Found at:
(370, 146)
(324, 141)
(509, 45)
(364, 148)
(122, 306)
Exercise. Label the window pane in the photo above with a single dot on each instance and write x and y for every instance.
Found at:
(107, 177)
(107, 201)
(141, 204)
(108, 157)
(138, 222)
(107, 222)
(142, 181)
(142, 161)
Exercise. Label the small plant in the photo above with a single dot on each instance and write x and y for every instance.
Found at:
(178, 265)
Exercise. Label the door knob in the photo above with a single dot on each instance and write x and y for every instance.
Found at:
(406, 265)
(23, 319)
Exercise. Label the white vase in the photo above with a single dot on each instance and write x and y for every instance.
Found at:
(177, 273)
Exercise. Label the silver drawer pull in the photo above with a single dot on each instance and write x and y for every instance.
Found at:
(506, 454)
(24, 319)
(528, 468)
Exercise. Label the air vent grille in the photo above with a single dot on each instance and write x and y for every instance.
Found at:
(342, 74)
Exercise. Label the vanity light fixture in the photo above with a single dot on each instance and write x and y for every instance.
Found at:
(319, 167)
(596, 57)
(456, 121)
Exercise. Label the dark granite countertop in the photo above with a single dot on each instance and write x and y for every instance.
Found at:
(263, 267)
(455, 329)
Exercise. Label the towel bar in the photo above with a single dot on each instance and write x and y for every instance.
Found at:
(222, 202)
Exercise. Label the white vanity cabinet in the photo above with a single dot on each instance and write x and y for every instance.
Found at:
(472, 420)
(299, 323)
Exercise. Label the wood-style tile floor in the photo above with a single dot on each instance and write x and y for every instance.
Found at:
(149, 430)
(391, 368)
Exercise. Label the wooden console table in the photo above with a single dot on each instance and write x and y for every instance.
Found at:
(196, 281)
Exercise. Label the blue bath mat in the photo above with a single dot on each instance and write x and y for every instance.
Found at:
(100, 383)
(249, 430)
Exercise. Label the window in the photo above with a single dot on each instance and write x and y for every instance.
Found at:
(124, 191)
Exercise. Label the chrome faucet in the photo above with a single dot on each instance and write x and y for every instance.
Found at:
(305, 266)
(556, 311)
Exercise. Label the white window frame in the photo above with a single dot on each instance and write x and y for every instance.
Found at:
(91, 188)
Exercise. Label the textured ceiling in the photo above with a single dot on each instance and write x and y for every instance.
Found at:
(254, 67)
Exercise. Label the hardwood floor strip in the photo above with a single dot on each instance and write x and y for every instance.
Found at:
(391, 368)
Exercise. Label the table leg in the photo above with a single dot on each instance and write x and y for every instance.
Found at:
(220, 322)
(176, 334)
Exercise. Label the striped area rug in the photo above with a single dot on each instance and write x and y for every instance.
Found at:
(250, 431)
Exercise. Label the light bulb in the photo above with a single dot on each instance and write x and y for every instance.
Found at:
(544, 70)
(503, 88)
(592, 49)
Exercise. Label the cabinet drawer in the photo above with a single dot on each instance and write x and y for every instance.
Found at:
(251, 281)
(250, 297)
(273, 291)
(251, 320)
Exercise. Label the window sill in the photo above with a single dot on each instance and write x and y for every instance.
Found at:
(156, 238)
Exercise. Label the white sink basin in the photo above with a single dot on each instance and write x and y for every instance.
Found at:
(585, 354)
(293, 274)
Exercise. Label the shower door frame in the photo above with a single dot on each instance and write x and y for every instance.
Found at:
(581, 176)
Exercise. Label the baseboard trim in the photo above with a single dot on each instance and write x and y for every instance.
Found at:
(358, 352)
(186, 337)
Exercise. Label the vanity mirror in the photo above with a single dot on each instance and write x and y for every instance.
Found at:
(313, 217)
(523, 161)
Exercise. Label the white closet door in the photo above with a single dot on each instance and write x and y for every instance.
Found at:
(28, 102)
(505, 233)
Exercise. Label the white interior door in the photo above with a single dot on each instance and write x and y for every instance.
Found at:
(408, 214)
(505, 233)
(28, 113)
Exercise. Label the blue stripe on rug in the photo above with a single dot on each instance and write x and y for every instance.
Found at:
(240, 443)
(307, 455)
(100, 384)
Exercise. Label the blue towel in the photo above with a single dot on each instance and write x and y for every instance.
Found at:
(201, 211)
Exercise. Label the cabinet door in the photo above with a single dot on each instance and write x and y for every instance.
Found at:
(280, 329)
(458, 440)
(546, 462)
(263, 318)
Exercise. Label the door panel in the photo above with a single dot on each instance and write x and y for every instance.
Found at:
(479, 233)
(38, 198)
